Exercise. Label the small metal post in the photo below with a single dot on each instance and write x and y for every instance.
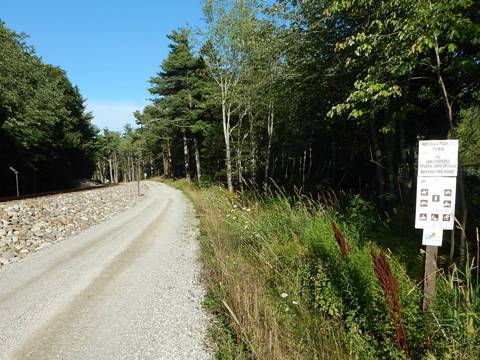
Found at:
(16, 179)
(138, 179)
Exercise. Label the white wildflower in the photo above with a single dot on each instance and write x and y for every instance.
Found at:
(284, 295)
(295, 302)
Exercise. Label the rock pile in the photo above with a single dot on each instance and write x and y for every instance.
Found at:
(33, 224)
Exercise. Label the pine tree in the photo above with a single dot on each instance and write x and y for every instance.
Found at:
(177, 91)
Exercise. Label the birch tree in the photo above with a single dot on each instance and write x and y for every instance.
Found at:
(229, 24)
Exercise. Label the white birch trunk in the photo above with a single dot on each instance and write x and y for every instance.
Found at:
(186, 155)
(197, 159)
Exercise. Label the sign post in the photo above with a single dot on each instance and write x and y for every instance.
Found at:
(435, 205)
(16, 179)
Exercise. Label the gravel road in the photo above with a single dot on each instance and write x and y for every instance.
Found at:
(123, 289)
(30, 225)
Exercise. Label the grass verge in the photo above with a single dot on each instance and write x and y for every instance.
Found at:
(279, 287)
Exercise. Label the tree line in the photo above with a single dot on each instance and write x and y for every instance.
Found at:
(312, 95)
(317, 93)
(320, 95)
(45, 132)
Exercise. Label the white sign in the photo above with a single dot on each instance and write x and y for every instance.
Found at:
(435, 203)
(432, 237)
(438, 158)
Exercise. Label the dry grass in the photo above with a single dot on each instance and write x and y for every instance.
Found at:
(278, 287)
(238, 277)
(251, 318)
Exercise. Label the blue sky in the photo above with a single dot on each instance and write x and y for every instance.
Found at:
(109, 49)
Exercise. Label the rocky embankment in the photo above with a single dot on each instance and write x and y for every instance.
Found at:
(33, 224)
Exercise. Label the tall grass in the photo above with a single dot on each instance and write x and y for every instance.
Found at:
(279, 287)
(456, 315)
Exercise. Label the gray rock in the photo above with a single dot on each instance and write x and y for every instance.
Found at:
(9, 254)
(25, 225)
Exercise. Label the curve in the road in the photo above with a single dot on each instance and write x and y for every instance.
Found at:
(124, 289)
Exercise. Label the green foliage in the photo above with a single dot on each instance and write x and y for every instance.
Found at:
(325, 305)
(181, 108)
(314, 95)
(455, 318)
(45, 131)
(468, 132)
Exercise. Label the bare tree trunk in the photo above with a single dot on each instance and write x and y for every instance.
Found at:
(402, 175)
(274, 165)
(270, 119)
(169, 157)
(225, 84)
(240, 171)
(104, 171)
(461, 183)
(240, 145)
(304, 163)
(100, 172)
(228, 161)
(115, 167)
(226, 117)
(186, 155)
(130, 168)
(309, 162)
(133, 167)
(389, 147)
(166, 170)
(197, 158)
(377, 160)
(253, 151)
(151, 166)
(294, 159)
(110, 169)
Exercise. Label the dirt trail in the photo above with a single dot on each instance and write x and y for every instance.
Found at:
(124, 289)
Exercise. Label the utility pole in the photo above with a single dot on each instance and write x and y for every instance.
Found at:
(16, 179)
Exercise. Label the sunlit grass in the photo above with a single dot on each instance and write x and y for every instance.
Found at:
(279, 288)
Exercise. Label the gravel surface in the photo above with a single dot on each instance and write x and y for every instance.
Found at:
(30, 225)
(124, 289)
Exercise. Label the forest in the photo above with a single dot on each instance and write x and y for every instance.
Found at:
(312, 94)
(45, 132)
(284, 100)
(319, 95)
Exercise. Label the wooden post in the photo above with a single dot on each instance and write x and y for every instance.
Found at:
(430, 276)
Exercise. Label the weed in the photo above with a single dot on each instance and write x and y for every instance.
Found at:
(279, 288)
